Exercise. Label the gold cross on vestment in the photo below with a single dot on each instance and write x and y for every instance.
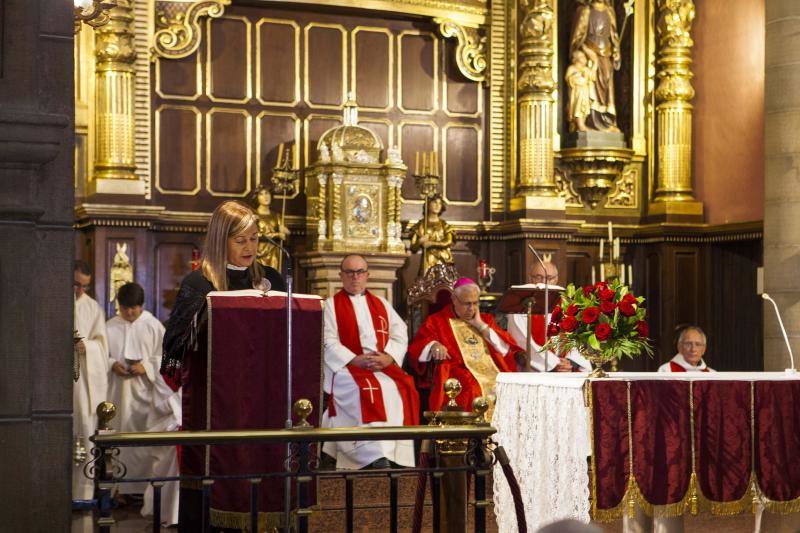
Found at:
(370, 388)
(382, 330)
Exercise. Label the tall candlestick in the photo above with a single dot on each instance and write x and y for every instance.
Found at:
(610, 233)
(622, 274)
(602, 273)
(416, 164)
(616, 248)
(593, 279)
(630, 275)
(602, 242)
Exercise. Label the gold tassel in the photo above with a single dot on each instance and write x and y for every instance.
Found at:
(693, 492)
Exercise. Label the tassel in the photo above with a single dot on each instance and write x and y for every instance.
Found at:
(693, 492)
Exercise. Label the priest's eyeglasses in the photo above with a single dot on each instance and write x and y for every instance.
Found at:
(695, 344)
(539, 278)
(355, 273)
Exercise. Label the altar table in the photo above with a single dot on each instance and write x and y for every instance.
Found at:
(591, 449)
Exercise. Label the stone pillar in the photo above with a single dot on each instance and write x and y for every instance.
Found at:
(673, 197)
(36, 242)
(114, 164)
(781, 194)
(536, 187)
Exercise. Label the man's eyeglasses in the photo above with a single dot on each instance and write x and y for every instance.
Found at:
(355, 273)
(538, 278)
(690, 344)
(78, 285)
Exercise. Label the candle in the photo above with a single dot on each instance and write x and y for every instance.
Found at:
(616, 248)
(630, 275)
(280, 156)
(416, 164)
(593, 278)
(424, 163)
(602, 242)
(610, 234)
(622, 274)
(602, 273)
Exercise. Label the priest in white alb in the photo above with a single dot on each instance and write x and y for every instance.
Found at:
(365, 344)
(692, 344)
(91, 385)
(144, 401)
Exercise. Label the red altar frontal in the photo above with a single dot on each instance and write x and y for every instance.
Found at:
(245, 387)
(721, 443)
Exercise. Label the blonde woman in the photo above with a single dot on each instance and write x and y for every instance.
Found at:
(228, 264)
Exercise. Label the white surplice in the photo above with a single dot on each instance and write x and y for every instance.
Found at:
(347, 397)
(92, 385)
(680, 361)
(518, 329)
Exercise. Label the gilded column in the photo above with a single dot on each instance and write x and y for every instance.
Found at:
(115, 54)
(536, 187)
(673, 193)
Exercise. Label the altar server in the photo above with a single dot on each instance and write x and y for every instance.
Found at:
(365, 344)
(519, 329)
(91, 387)
(692, 345)
(463, 344)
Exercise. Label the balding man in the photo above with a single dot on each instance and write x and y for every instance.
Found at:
(463, 344)
(519, 329)
(692, 344)
(365, 344)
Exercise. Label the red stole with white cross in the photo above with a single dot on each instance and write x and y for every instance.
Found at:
(372, 408)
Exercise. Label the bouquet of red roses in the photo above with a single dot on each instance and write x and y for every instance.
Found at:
(604, 320)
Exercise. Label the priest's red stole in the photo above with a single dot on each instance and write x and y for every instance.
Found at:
(372, 407)
(537, 329)
(675, 367)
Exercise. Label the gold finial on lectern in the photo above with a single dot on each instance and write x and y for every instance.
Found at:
(302, 409)
(106, 411)
(479, 406)
(452, 388)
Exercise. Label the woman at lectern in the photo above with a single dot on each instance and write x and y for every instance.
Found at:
(228, 263)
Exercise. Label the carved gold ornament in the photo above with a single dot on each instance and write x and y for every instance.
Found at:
(92, 12)
(593, 171)
(471, 49)
(179, 31)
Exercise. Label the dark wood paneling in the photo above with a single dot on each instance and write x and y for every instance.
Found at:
(326, 61)
(228, 152)
(316, 126)
(382, 130)
(228, 73)
(413, 138)
(172, 263)
(579, 269)
(685, 287)
(178, 77)
(462, 95)
(372, 57)
(462, 146)
(275, 129)
(278, 58)
(417, 57)
(177, 157)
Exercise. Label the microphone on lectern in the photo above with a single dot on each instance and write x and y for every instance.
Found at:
(767, 297)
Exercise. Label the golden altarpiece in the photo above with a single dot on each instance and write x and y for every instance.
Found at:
(183, 104)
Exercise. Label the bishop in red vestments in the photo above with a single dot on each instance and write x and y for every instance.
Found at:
(365, 344)
(463, 344)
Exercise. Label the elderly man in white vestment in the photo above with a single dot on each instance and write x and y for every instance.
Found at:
(365, 344)
(91, 387)
(144, 401)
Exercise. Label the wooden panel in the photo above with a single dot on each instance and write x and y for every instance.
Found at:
(325, 75)
(229, 58)
(179, 78)
(273, 129)
(315, 126)
(228, 152)
(461, 164)
(652, 293)
(579, 269)
(418, 72)
(382, 127)
(172, 262)
(177, 149)
(685, 287)
(461, 97)
(372, 61)
(415, 137)
(278, 62)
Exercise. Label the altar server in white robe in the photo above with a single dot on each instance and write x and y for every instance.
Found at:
(91, 387)
(365, 344)
(144, 401)
(692, 345)
(518, 328)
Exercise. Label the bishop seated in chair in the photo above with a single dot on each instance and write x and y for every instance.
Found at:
(464, 344)
(365, 344)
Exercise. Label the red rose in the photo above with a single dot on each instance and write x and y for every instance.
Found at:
(626, 308)
(589, 315)
(630, 298)
(588, 289)
(602, 331)
(608, 307)
(553, 330)
(572, 310)
(556, 315)
(606, 294)
(642, 328)
(569, 324)
(601, 283)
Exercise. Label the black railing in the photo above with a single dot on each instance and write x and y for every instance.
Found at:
(301, 468)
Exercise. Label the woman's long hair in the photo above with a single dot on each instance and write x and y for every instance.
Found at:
(228, 219)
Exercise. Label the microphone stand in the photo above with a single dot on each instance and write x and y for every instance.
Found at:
(546, 306)
(791, 370)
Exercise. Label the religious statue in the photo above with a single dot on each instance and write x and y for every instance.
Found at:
(594, 33)
(433, 236)
(120, 274)
(270, 226)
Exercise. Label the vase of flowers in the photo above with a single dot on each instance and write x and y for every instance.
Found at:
(603, 321)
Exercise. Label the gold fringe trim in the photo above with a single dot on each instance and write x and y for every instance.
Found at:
(236, 520)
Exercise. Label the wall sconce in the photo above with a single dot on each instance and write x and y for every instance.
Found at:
(92, 12)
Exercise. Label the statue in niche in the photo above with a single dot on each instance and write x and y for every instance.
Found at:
(270, 226)
(433, 236)
(594, 33)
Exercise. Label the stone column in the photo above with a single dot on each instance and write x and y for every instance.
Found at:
(536, 187)
(36, 251)
(114, 164)
(673, 196)
(781, 194)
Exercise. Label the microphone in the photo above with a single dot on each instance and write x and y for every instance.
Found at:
(767, 297)
(546, 302)
(284, 251)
